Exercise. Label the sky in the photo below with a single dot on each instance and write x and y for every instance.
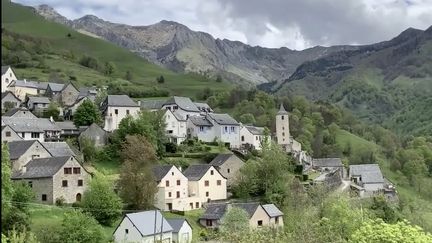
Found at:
(296, 24)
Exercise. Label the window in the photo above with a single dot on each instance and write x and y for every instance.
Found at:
(77, 170)
(209, 222)
(191, 205)
(178, 194)
(256, 138)
(282, 117)
(30, 183)
(34, 156)
(242, 138)
(226, 129)
(211, 172)
(23, 134)
(232, 129)
(259, 222)
(207, 194)
(283, 128)
(228, 170)
(127, 112)
(126, 231)
(197, 205)
(206, 183)
(219, 182)
(44, 197)
(178, 182)
(68, 171)
(172, 173)
(277, 220)
(166, 183)
(8, 134)
(201, 129)
(116, 111)
(283, 134)
(169, 194)
(64, 183)
(80, 182)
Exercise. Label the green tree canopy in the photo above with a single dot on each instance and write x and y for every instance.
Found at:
(234, 224)
(80, 227)
(86, 114)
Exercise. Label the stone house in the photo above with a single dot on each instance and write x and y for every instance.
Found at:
(175, 126)
(151, 105)
(9, 101)
(22, 151)
(206, 184)
(259, 215)
(140, 227)
(53, 91)
(38, 103)
(8, 134)
(68, 94)
(182, 230)
(252, 137)
(88, 92)
(172, 188)
(42, 129)
(69, 111)
(7, 76)
(328, 164)
(22, 88)
(55, 178)
(115, 108)
(20, 112)
(96, 134)
(368, 177)
(229, 166)
(59, 149)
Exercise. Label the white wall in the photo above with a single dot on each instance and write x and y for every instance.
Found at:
(229, 134)
(249, 138)
(163, 195)
(184, 235)
(282, 129)
(6, 79)
(215, 192)
(206, 134)
(112, 120)
(177, 127)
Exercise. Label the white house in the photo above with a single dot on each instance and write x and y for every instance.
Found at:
(183, 105)
(252, 137)
(226, 128)
(201, 128)
(175, 126)
(42, 129)
(7, 77)
(145, 227)
(172, 188)
(368, 177)
(182, 230)
(117, 107)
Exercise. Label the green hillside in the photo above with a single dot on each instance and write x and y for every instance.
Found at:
(63, 48)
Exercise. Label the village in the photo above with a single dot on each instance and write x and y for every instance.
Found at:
(41, 157)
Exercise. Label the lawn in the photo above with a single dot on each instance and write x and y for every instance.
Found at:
(344, 137)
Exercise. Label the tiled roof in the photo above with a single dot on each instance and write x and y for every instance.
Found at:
(250, 208)
(66, 125)
(145, 222)
(30, 124)
(42, 85)
(272, 210)
(121, 100)
(4, 94)
(369, 173)
(58, 149)
(220, 159)
(13, 111)
(203, 106)
(177, 223)
(42, 168)
(152, 104)
(18, 148)
(200, 121)
(282, 110)
(214, 211)
(39, 99)
(327, 162)
(55, 87)
(178, 116)
(160, 171)
(255, 130)
(222, 119)
(184, 103)
(24, 83)
(4, 69)
(195, 172)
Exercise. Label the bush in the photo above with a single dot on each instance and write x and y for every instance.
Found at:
(60, 201)
(171, 147)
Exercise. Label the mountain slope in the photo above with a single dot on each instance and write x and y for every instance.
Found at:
(388, 82)
(64, 52)
(178, 48)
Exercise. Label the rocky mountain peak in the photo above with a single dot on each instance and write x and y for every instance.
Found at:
(50, 13)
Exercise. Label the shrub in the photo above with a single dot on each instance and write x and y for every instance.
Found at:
(60, 201)
(171, 147)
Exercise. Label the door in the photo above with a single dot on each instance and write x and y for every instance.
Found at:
(169, 205)
(78, 197)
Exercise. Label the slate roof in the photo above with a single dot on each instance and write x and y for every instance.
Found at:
(42, 85)
(30, 124)
(282, 110)
(176, 224)
(369, 173)
(39, 99)
(214, 211)
(121, 100)
(18, 148)
(272, 210)
(178, 116)
(223, 119)
(200, 121)
(4, 94)
(41, 168)
(55, 87)
(203, 106)
(195, 172)
(24, 83)
(160, 171)
(220, 159)
(4, 69)
(327, 162)
(184, 103)
(66, 125)
(255, 130)
(152, 104)
(58, 149)
(145, 221)
(250, 208)
(13, 111)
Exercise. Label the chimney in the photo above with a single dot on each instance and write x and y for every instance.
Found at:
(139, 102)
(51, 119)
(23, 169)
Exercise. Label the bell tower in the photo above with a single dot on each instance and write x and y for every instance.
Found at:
(282, 126)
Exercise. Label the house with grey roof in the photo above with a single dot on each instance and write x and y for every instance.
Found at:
(53, 90)
(42, 129)
(54, 178)
(38, 103)
(7, 77)
(203, 107)
(205, 184)
(328, 164)
(368, 177)
(145, 226)
(9, 101)
(151, 104)
(59, 149)
(116, 107)
(22, 151)
(68, 94)
(176, 126)
(8, 134)
(267, 215)
(183, 105)
(252, 137)
(89, 92)
(229, 166)
(69, 111)
(20, 112)
(96, 134)
(22, 88)
(68, 129)
(182, 230)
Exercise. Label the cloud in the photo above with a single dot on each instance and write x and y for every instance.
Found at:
(271, 23)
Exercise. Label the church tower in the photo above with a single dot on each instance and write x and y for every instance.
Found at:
(282, 126)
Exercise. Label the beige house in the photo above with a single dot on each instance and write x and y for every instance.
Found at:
(229, 166)
(9, 101)
(22, 151)
(143, 227)
(7, 77)
(115, 108)
(42, 129)
(8, 134)
(55, 178)
(206, 184)
(267, 215)
(172, 188)
(22, 88)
